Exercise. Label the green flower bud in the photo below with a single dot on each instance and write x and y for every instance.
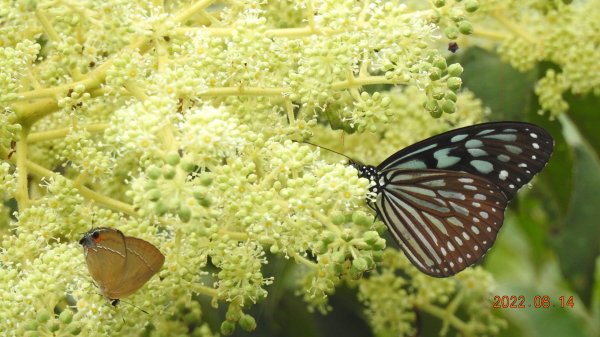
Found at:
(31, 325)
(227, 328)
(53, 327)
(338, 257)
(172, 159)
(360, 264)
(449, 107)
(435, 74)
(450, 95)
(153, 195)
(205, 179)
(379, 245)
(204, 202)
(168, 172)
(43, 316)
(233, 314)
(338, 219)
(471, 5)
(247, 323)
(439, 3)
(160, 208)
(455, 69)
(185, 214)
(188, 167)
(360, 218)
(371, 237)
(440, 63)
(438, 94)
(153, 172)
(465, 27)
(451, 32)
(454, 83)
(74, 329)
(66, 316)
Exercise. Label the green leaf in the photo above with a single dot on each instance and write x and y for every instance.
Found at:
(579, 244)
(502, 88)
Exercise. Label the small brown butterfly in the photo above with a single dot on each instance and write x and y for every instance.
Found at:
(119, 264)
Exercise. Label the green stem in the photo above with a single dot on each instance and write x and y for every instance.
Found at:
(62, 132)
(303, 260)
(444, 315)
(513, 27)
(109, 202)
(22, 193)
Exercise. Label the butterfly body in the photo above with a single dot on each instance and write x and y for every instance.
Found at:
(119, 264)
(443, 198)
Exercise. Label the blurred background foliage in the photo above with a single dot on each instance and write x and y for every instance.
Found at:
(549, 244)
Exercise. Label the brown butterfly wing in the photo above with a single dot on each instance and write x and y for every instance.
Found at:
(143, 261)
(106, 257)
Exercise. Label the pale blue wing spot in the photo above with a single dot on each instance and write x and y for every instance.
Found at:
(513, 149)
(485, 132)
(503, 158)
(477, 152)
(443, 159)
(458, 138)
(473, 143)
(482, 166)
(504, 137)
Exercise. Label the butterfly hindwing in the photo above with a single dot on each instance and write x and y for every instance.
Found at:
(444, 220)
(508, 154)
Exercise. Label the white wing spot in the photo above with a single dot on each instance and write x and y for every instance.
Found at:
(535, 146)
(470, 187)
(475, 230)
(450, 246)
(460, 259)
(533, 135)
(533, 157)
(503, 175)
(452, 264)
(450, 194)
(480, 196)
(489, 229)
(476, 248)
(485, 242)
(458, 240)
(455, 222)
(465, 180)
(468, 256)
(444, 251)
(483, 215)
(466, 236)
(493, 209)
(511, 186)
(476, 204)
(522, 165)
(476, 220)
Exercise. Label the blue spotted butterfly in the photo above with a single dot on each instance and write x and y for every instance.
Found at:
(443, 198)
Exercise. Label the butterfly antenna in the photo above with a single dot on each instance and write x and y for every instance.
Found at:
(325, 148)
(115, 302)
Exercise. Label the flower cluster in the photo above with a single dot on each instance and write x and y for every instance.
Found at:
(185, 124)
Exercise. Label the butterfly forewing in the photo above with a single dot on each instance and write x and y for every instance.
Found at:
(444, 220)
(508, 154)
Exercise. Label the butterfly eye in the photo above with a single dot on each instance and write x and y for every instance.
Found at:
(82, 241)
